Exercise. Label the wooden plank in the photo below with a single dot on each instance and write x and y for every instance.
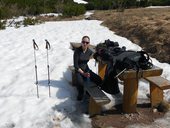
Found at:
(71, 67)
(97, 96)
(96, 93)
(155, 71)
(74, 45)
(97, 99)
(94, 108)
(130, 95)
(159, 81)
(156, 95)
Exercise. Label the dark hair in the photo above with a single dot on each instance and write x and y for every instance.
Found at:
(86, 37)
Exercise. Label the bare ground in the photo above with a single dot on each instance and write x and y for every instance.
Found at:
(116, 119)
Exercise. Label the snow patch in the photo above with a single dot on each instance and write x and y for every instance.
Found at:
(80, 1)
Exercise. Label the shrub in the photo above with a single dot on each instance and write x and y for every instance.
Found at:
(30, 21)
(73, 10)
(10, 8)
(2, 24)
(35, 10)
(4, 13)
(90, 6)
(100, 5)
(159, 2)
(18, 24)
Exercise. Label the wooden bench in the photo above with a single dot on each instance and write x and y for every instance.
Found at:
(157, 85)
(74, 45)
(131, 80)
(97, 96)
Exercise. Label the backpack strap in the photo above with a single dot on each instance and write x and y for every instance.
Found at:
(146, 60)
(144, 54)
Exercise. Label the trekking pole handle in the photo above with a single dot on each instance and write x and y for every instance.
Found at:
(35, 46)
(47, 45)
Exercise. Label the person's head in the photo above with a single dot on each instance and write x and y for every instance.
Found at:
(85, 42)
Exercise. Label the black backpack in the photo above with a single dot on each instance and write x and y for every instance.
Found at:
(110, 52)
(136, 60)
(119, 59)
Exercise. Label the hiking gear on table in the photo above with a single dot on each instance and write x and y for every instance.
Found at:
(118, 60)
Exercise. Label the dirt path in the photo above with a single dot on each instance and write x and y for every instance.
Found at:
(116, 119)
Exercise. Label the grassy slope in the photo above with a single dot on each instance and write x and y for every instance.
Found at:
(149, 28)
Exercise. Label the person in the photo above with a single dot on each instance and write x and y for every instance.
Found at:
(81, 57)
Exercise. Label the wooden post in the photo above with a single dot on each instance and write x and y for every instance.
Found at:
(156, 95)
(94, 108)
(101, 69)
(130, 95)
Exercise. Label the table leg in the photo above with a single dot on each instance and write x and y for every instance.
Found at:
(94, 108)
(156, 95)
(101, 70)
(130, 95)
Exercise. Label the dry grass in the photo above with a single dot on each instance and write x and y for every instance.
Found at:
(149, 28)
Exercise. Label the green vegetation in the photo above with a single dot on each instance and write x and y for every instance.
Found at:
(116, 4)
(159, 2)
(10, 8)
(30, 21)
(73, 10)
(2, 25)
(100, 4)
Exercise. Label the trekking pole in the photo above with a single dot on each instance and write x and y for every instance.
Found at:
(35, 46)
(120, 73)
(48, 48)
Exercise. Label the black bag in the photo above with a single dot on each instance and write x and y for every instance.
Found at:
(119, 59)
(139, 60)
(110, 52)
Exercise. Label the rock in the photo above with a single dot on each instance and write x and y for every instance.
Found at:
(154, 110)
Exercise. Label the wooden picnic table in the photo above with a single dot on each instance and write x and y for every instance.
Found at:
(131, 79)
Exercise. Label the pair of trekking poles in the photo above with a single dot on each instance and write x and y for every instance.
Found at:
(36, 48)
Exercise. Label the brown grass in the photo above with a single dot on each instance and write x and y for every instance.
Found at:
(149, 28)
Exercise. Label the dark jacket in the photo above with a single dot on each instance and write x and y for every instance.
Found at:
(81, 59)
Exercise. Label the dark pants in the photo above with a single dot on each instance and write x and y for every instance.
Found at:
(80, 81)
